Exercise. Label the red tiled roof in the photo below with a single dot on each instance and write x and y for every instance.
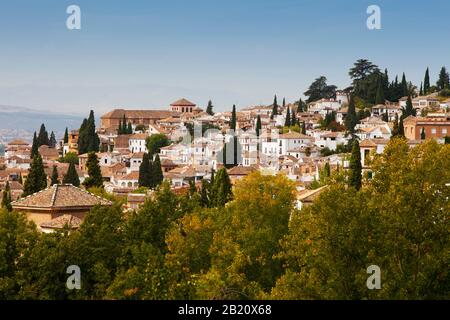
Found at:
(60, 196)
(183, 103)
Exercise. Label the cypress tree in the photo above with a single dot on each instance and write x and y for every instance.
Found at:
(274, 107)
(409, 111)
(35, 146)
(66, 136)
(426, 82)
(82, 138)
(95, 174)
(152, 183)
(93, 139)
(209, 108)
(124, 125)
(144, 172)
(294, 118)
(233, 118)
(6, 199)
(395, 129)
(54, 178)
(129, 128)
(444, 79)
(258, 125)
(385, 117)
(421, 89)
(52, 141)
(404, 86)
(88, 140)
(36, 179)
(385, 85)
(157, 171)
(303, 127)
(287, 122)
(380, 98)
(351, 119)
(42, 138)
(284, 102)
(422, 134)
(326, 170)
(300, 105)
(355, 169)
(401, 128)
(71, 176)
(221, 189)
(204, 194)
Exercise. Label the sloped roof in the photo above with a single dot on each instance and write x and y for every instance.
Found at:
(241, 170)
(294, 135)
(183, 103)
(144, 114)
(18, 142)
(60, 196)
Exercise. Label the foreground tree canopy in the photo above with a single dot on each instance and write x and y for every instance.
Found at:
(256, 245)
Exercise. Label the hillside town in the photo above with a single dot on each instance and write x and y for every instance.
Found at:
(187, 144)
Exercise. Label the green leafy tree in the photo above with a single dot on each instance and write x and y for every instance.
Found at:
(17, 238)
(320, 89)
(244, 262)
(155, 142)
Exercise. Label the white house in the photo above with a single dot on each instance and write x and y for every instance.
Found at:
(137, 142)
(330, 140)
(324, 105)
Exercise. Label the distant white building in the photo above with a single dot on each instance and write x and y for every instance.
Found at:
(137, 142)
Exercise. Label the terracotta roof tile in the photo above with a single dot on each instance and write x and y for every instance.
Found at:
(60, 196)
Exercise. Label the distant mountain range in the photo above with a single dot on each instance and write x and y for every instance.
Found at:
(21, 122)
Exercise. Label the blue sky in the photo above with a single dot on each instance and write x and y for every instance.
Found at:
(146, 54)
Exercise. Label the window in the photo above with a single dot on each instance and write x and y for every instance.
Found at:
(444, 130)
(433, 130)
